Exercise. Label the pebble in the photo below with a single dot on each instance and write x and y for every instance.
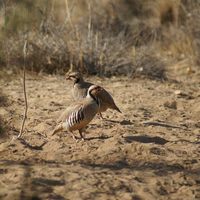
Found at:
(170, 104)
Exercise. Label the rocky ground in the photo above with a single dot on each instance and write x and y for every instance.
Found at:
(150, 151)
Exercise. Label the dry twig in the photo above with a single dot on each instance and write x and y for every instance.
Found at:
(25, 49)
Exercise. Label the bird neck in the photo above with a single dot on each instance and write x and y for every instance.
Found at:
(91, 96)
(78, 80)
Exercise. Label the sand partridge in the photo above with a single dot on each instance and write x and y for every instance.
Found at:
(80, 88)
(79, 114)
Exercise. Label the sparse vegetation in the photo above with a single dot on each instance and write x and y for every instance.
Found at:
(99, 37)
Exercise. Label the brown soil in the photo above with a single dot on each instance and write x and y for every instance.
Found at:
(150, 151)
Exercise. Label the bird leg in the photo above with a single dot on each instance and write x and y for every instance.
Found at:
(73, 136)
(82, 135)
(101, 116)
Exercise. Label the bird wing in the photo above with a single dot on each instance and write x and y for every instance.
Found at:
(104, 96)
(75, 117)
(106, 100)
(66, 113)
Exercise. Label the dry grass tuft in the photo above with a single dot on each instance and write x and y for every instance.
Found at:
(148, 64)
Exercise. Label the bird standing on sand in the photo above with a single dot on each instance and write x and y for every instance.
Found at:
(79, 114)
(80, 88)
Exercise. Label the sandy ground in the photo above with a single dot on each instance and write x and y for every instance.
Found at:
(150, 151)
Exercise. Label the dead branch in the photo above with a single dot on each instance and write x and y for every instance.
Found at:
(25, 49)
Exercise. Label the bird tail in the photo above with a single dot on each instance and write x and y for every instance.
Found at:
(57, 129)
(117, 109)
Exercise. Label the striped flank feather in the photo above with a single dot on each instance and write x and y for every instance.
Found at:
(75, 117)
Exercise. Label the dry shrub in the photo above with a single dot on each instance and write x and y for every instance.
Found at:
(192, 27)
(88, 46)
(98, 37)
(147, 64)
(183, 42)
(45, 53)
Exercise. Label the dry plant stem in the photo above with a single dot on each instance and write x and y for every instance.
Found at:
(24, 90)
(70, 20)
(89, 21)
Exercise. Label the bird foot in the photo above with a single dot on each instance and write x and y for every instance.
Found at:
(74, 137)
(80, 140)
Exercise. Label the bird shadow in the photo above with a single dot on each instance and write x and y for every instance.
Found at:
(146, 139)
(110, 120)
(123, 122)
(103, 137)
(126, 122)
(155, 140)
(47, 182)
(159, 168)
(30, 146)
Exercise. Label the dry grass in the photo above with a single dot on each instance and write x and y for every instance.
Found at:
(101, 37)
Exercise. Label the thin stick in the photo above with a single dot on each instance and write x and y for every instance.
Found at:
(89, 21)
(24, 88)
(70, 20)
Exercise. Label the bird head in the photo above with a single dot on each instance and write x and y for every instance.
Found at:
(74, 76)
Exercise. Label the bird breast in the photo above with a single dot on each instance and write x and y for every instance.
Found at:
(80, 117)
(79, 92)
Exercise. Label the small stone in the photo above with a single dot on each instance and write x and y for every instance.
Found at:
(178, 92)
(196, 131)
(182, 94)
(172, 104)
(189, 70)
